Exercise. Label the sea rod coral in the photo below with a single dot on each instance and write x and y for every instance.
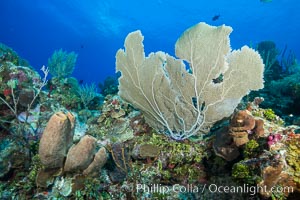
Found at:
(182, 101)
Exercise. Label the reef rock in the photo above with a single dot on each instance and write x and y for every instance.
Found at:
(8, 149)
(144, 151)
(26, 96)
(223, 145)
(274, 176)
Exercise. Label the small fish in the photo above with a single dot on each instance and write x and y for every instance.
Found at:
(216, 17)
(266, 1)
(81, 81)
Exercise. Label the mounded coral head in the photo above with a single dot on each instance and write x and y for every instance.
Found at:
(9, 55)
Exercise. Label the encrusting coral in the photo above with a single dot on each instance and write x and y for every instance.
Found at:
(183, 103)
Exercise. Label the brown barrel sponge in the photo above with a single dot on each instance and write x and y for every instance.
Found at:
(56, 140)
(81, 155)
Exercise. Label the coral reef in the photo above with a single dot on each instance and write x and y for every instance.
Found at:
(64, 91)
(267, 163)
(293, 157)
(111, 150)
(21, 119)
(9, 155)
(9, 55)
(113, 123)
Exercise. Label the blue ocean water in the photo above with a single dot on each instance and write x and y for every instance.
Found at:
(96, 29)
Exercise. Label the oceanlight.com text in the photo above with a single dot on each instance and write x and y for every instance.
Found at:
(211, 188)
